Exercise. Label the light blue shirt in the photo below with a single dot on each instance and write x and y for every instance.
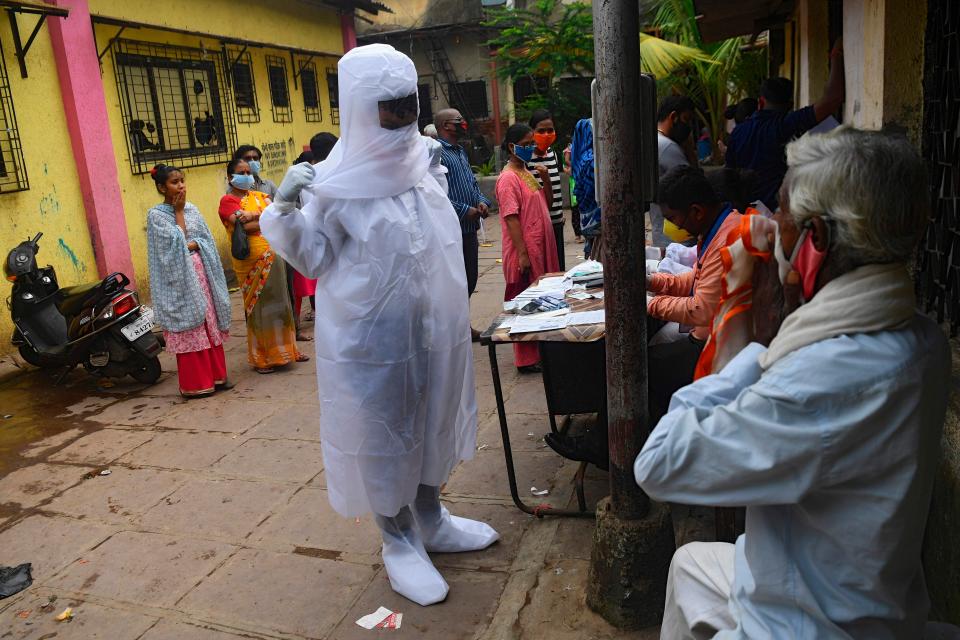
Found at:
(833, 451)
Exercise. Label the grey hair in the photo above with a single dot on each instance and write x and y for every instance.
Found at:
(872, 184)
(430, 131)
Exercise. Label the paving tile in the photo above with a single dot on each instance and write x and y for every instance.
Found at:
(90, 404)
(182, 450)
(284, 593)
(468, 609)
(520, 427)
(486, 475)
(574, 539)
(45, 446)
(285, 460)
(137, 412)
(143, 568)
(102, 447)
(32, 485)
(309, 521)
(293, 422)
(281, 385)
(120, 497)
(231, 508)
(90, 622)
(224, 413)
(170, 630)
(509, 522)
(49, 543)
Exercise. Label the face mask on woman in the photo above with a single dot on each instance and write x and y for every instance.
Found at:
(544, 140)
(524, 153)
(242, 181)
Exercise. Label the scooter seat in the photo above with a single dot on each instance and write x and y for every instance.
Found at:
(73, 298)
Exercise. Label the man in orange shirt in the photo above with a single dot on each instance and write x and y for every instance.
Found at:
(691, 299)
(689, 201)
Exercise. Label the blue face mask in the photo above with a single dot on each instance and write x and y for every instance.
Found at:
(242, 181)
(255, 167)
(524, 153)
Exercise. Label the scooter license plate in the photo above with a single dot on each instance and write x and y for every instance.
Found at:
(141, 326)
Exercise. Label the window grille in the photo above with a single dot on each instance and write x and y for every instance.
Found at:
(938, 275)
(426, 106)
(172, 100)
(279, 89)
(13, 172)
(311, 92)
(333, 88)
(525, 87)
(244, 86)
(474, 94)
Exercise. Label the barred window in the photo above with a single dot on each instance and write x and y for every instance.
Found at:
(244, 86)
(13, 172)
(426, 106)
(333, 88)
(279, 89)
(526, 87)
(469, 98)
(311, 92)
(172, 103)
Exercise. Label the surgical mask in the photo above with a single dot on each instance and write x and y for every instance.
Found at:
(675, 233)
(255, 167)
(524, 153)
(806, 260)
(680, 131)
(243, 181)
(544, 140)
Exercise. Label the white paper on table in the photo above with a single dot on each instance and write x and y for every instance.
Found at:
(529, 324)
(586, 267)
(586, 317)
(554, 283)
(580, 295)
(507, 322)
(382, 618)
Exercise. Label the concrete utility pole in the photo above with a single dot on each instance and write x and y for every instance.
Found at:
(634, 539)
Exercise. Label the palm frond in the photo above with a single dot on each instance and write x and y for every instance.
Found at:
(662, 57)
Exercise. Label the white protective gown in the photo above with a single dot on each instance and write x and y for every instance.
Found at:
(392, 332)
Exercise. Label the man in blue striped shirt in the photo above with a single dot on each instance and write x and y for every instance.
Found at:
(464, 192)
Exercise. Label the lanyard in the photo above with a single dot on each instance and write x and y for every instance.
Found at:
(702, 249)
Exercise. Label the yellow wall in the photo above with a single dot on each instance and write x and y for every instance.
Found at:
(280, 142)
(53, 203)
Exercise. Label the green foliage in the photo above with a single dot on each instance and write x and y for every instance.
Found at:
(548, 40)
(488, 168)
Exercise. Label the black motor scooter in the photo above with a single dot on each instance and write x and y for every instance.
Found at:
(100, 325)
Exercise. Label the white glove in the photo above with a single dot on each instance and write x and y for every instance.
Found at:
(298, 176)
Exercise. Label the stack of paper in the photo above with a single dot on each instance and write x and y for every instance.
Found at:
(586, 317)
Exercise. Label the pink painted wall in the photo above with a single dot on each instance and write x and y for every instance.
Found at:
(86, 109)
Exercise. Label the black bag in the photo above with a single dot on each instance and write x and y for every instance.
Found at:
(239, 244)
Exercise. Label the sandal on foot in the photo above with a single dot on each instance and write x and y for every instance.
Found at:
(264, 370)
(302, 358)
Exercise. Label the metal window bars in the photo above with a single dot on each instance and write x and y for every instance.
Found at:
(279, 89)
(240, 72)
(469, 98)
(311, 91)
(333, 89)
(938, 273)
(13, 171)
(172, 101)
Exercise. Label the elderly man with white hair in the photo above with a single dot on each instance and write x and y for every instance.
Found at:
(828, 434)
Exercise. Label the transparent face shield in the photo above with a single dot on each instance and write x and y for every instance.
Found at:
(399, 112)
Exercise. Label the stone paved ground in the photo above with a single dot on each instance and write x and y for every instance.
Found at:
(214, 522)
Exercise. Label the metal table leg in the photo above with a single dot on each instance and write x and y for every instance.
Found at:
(539, 510)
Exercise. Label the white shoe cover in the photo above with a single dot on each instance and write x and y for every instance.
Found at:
(408, 566)
(444, 533)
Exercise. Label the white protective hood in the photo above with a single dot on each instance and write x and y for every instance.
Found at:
(369, 161)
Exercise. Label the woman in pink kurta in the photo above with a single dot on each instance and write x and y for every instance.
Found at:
(529, 244)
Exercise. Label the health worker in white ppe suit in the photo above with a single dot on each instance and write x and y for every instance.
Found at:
(392, 332)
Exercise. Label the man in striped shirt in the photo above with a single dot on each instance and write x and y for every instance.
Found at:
(464, 192)
(545, 135)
